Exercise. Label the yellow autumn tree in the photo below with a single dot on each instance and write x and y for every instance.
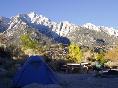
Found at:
(112, 54)
(74, 53)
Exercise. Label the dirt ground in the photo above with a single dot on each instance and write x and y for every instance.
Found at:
(87, 81)
(77, 81)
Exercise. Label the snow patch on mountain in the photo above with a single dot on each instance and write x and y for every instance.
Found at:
(109, 30)
(91, 26)
(35, 18)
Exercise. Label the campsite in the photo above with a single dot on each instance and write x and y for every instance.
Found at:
(39, 71)
(36, 73)
(58, 43)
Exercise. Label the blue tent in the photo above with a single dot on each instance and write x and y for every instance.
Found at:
(35, 70)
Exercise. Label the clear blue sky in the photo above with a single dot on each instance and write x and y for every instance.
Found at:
(99, 12)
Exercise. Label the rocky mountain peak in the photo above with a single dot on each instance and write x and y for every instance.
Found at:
(32, 14)
(35, 18)
(91, 26)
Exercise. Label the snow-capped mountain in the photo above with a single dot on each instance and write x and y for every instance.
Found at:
(87, 34)
(42, 23)
(62, 28)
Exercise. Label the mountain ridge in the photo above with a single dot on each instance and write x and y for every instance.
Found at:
(87, 34)
(32, 18)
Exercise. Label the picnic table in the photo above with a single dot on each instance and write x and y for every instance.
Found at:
(74, 67)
